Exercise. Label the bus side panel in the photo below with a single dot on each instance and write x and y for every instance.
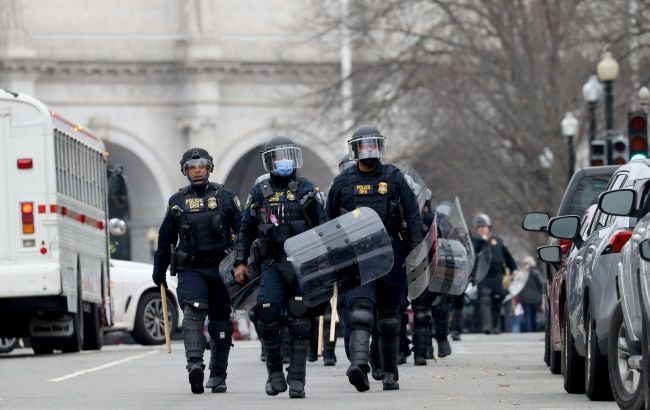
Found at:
(6, 245)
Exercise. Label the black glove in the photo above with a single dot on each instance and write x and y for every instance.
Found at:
(159, 278)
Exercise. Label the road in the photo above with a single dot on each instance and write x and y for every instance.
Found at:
(484, 372)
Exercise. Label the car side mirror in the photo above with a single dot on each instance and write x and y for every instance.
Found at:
(618, 202)
(550, 254)
(117, 227)
(644, 250)
(535, 221)
(566, 227)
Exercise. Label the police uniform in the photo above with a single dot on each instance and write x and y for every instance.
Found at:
(491, 287)
(385, 190)
(277, 209)
(200, 222)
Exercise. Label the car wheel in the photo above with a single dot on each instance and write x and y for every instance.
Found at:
(7, 344)
(149, 328)
(596, 376)
(625, 382)
(573, 366)
(645, 364)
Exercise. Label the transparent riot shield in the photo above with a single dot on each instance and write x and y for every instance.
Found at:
(422, 262)
(455, 250)
(518, 282)
(483, 261)
(243, 296)
(348, 251)
(416, 183)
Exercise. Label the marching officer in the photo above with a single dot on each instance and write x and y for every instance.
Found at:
(383, 188)
(278, 208)
(199, 225)
(491, 287)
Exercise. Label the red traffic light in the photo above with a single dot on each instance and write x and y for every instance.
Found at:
(637, 123)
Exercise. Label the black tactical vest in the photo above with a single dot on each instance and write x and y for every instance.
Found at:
(202, 225)
(280, 215)
(380, 193)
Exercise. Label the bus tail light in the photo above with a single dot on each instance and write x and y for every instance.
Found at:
(24, 163)
(27, 215)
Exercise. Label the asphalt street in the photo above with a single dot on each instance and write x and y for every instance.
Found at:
(484, 372)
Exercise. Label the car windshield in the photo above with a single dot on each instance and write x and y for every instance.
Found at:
(586, 193)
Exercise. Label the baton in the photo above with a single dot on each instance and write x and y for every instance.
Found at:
(334, 316)
(163, 296)
(321, 330)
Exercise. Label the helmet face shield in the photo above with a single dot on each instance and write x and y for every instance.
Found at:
(198, 163)
(371, 146)
(282, 157)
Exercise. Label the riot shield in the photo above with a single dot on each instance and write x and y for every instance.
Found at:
(243, 296)
(455, 250)
(416, 183)
(483, 261)
(348, 251)
(518, 282)
(422, 262)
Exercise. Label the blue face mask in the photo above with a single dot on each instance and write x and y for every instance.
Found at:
(283, 168)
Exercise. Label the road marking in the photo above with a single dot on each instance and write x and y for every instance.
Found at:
(102, 367)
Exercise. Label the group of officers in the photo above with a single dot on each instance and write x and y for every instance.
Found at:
(205, 221)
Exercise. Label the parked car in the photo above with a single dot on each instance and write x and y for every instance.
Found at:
(137, 303)
(7, 344)
(582, 191)
(644, 292)
(592, 295)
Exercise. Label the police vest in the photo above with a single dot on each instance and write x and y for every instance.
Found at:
(280, 215)
(203, 228)
(380, 193)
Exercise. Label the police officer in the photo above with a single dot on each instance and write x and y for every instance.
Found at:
(200, 222)
(381, 187)
(491, 287)
(278, 208)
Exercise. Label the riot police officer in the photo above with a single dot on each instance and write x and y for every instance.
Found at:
(197, 230)
(381, 187)
(491, 287)
(278, 208)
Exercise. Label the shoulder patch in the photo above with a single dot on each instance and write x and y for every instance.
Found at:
(235, 200)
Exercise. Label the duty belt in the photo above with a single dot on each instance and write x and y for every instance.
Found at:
(196, 260)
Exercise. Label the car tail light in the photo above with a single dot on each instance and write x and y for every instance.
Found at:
(565, 245)
(617, 242)
(27, 216)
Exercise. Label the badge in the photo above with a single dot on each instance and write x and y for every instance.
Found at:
(363, 190)
(493, 242)
(291, 196)
(276, 196)
(212, 202)
(382, 188)
(235, 199)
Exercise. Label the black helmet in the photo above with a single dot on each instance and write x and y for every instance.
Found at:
(194, 157)
(281, 156)
(482, 220)
(366, 142)
(345, 162)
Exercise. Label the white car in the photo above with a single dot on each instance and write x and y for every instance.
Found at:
(137, 305)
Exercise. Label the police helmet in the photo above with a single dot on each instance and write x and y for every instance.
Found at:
(366, 142)
(482, 220)
(194, 157)
(345, 163)
(280, 155)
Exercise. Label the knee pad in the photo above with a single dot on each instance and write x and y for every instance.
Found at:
(361, 319)
(251, 316)
(220, 330)
(192, 314)
(297, 307)
(299, 328)
(267, 312)
(388, 326)
(421, 317)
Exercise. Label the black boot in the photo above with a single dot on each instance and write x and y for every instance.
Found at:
(388, 350)
(329, 357)
(430, 350)
(444, 348)
(455, 335)
(221, 339)
(194, 341)
(312, 356)
(286, 342)
(195, 376)
(359, 356)
(375, 360)
(421, 341)
(271, 342)
(297, 368)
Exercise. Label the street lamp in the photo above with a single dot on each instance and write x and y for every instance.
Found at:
(152, 237)
(591, 92)
(644, 98)
(569, 129)
(607, 71)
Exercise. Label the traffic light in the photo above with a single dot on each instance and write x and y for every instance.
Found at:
(619, 154)
(638, 134)
(598, 153)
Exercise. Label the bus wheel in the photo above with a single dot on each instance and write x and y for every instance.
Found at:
(42, 345)
(93, 329)
(75, 342)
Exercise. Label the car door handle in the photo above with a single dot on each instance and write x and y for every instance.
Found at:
(578, 260)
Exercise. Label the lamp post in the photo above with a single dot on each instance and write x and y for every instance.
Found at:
(607, 71)
(569, 130)
(591, 92)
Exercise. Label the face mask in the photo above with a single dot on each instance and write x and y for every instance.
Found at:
(283, 168)
(370, 162)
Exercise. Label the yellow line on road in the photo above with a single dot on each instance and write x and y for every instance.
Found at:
(102, 367)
